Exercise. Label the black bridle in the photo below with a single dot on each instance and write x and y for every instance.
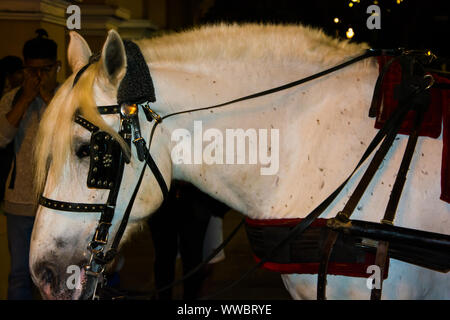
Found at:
(129, 131)
(107, 162)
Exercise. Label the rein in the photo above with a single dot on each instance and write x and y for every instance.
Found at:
(369, 53)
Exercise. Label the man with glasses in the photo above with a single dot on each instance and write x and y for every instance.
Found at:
(20, 113)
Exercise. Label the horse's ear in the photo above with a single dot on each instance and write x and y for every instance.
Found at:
(78, 51)
(114, 57)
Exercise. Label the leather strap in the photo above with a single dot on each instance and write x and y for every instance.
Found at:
(400, 180)
(86, 124)
(380, 260)
(369, 53)
(94, 58)
(155, 170)
(112, 109)
(70, 206)
(382, 254)
(345, 214)
(108, 214)
(391, 126)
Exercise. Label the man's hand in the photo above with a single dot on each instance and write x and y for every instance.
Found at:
(48, 85)
(30, 90)
(31, 85)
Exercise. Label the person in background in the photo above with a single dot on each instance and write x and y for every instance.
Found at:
(179, 227)
(11, 77)
(11, 74)
(20, 113)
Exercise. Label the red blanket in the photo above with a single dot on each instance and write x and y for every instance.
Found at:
(438, 111)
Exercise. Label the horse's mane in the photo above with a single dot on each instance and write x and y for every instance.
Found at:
(209, 44)
(248, 42)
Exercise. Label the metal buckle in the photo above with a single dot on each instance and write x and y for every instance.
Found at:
(154, 115)
(342, 217)
(101, 241)
(89, 271)
(92, 250)
(384, 221)
(98, 275)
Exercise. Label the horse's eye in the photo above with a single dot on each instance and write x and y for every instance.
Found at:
(83, 151)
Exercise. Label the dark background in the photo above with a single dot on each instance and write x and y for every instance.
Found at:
(407, 23)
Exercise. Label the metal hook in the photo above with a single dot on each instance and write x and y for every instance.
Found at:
(431, 81)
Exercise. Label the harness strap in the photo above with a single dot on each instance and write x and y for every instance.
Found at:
(123, 224)
(70, 206)
(369, 53)
(100, 238)
(389, 215)
(155, 170)
(381, 258)
(400, 180)
(315, 213)
(392, 125)
(345, 214)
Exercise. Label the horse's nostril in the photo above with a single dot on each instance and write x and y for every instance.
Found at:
(47, 275)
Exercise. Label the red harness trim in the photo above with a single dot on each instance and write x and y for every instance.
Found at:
(358, 270)
(438, 112)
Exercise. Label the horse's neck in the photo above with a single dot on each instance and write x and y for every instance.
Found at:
(309, 119)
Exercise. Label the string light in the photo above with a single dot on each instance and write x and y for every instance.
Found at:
(350, 33)
(350, 4)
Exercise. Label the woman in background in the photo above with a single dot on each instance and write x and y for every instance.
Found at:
(11, 74)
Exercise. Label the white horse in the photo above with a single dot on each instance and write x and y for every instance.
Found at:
(323, 129)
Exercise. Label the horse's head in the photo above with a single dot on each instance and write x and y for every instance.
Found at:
(59, 248)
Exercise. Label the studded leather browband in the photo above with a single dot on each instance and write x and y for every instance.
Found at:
(70, 206)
